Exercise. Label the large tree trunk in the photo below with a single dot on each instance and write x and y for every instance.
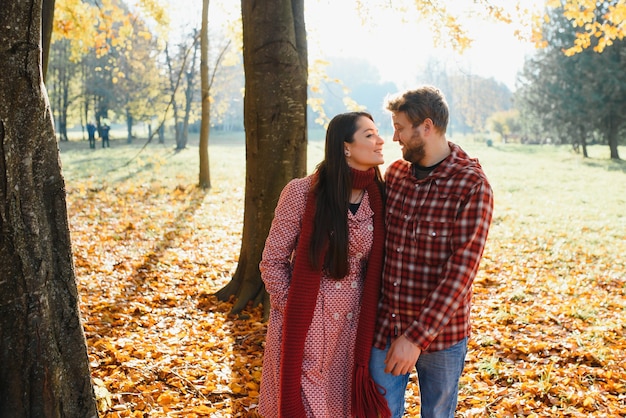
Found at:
(205, 174)
(44, 369)
(275, 65)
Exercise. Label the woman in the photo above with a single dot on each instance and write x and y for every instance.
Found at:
(322, 266)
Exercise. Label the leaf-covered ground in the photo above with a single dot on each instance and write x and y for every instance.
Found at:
(150, 250)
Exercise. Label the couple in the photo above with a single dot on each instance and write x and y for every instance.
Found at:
(341, 342)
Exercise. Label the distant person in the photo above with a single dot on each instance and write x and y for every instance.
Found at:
(438, 212)
(104, 132)
(322, 266)
(91, 132)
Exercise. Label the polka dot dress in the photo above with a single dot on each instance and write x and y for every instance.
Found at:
(329, 346)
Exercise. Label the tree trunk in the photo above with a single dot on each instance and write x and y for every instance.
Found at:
(47, 19)
(129, 126)
(583, 142)
(64, 94)
(161, 133)
(190, 78)
(275, 66)
(205, 175)
(173, 88)
(612, 136)
(44, 368)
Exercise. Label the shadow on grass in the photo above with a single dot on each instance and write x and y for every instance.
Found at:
(545, 150)
(608, 165)
(113, 165)
(525, 149)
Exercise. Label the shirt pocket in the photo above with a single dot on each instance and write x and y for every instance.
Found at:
(433, 242)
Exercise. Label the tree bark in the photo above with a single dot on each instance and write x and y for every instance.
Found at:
(190, 80)
(612, 136)
(205, 174)
(47, 20)
(173, 88)
(44, 368)
(275, 66)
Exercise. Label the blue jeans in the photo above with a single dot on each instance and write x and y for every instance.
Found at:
(438, 374)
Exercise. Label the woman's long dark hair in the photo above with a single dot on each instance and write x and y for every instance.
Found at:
(333, 189)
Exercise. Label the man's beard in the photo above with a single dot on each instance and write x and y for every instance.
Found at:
(416, 153)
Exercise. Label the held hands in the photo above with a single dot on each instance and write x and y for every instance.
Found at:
(401, 357)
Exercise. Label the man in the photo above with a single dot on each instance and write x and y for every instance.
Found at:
(438, 211)
(91, 132)
(104, 133)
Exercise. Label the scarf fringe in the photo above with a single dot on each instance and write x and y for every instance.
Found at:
(368, 402)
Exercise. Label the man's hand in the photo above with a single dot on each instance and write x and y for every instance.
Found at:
(402, 356)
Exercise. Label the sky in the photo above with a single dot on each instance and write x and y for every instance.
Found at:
(396, 45)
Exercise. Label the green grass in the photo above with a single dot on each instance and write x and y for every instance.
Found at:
(544, 190)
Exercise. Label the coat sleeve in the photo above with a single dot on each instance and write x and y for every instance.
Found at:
(279, 252)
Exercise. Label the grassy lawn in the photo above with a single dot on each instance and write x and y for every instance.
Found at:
(150, 248)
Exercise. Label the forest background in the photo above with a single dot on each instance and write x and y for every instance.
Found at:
(112, 80)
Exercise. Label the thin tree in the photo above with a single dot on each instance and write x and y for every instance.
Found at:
(45, 368)
(203, 148)
(174, 82)
(190, 88)
(207, 78)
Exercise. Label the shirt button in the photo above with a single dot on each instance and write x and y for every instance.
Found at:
(370, 227)
(399, 249)
(395, 284)
(349, 315)
(337, 285)
(354, 285)
(393, 315)
(359, 255)
(433, 234)
(336, 316)
(406, 216)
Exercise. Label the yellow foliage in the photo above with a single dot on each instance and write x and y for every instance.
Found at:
(204, 410)
(100, 27)
(582, 14)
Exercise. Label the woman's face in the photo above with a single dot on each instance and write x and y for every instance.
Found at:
(366, 149)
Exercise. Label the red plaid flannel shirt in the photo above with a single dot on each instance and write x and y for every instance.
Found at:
(436, 233)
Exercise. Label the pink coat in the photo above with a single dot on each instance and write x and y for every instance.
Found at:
(329, 347)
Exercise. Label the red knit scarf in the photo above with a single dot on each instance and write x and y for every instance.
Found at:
(305, 282)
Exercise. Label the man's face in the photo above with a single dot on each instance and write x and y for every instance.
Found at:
(409, 137)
